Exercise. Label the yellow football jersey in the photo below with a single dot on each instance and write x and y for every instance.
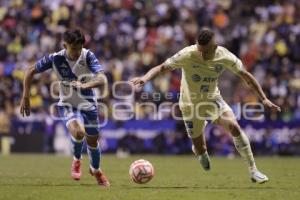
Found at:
(200, 77)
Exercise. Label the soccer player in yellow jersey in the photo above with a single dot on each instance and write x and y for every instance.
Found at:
(200, 98)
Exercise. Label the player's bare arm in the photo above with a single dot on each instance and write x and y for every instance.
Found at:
(25, 103)
(159, 69)
(99, 80)
(252, 82)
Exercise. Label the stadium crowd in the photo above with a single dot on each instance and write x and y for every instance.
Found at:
(129, 37)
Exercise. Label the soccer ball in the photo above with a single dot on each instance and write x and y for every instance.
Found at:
(141, 171)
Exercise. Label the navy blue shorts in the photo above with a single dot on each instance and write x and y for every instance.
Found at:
(89, 119)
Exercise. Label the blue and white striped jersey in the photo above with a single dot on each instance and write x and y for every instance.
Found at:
(83, 69)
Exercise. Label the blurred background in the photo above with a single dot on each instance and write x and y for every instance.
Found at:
(129, 37)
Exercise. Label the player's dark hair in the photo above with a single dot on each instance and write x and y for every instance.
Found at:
(205, 35)
(74, 36)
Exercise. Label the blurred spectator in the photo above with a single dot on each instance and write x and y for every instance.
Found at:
(129, 37)
(4, 133)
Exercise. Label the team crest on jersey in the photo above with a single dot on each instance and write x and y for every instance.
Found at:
(218, 68)
(196, 78)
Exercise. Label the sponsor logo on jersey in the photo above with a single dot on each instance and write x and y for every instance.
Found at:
(209, 79)
(196, 78)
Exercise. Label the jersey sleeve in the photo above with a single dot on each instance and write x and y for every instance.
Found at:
(176, 61)
(93, 63)
(44, 63)
(234, 64)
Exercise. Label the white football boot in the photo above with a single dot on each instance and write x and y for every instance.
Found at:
(258, 177)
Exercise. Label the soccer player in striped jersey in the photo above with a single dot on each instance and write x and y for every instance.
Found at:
(200, 98)
(78, 71)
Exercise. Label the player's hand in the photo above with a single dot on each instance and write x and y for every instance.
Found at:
(25, 106)
(138, 81)
(271, 105)
(77, 84)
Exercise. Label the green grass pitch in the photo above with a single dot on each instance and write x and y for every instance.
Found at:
(44, 177)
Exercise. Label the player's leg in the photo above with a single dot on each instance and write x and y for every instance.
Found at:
(195, 131)
(199, 145)
(76, 129)
(94, 151)
(74, 124)
(242, 144)
(92, 127)
(200, 150)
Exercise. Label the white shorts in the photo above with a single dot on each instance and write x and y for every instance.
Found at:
(195, 115)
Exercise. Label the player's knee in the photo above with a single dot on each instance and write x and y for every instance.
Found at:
(79, 134)
(92, 141)
(76, 130)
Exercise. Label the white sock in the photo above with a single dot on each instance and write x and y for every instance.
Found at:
(76, 159)
(242, 145)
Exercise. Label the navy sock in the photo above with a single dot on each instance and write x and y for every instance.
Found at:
(77, 147)
(94, 155)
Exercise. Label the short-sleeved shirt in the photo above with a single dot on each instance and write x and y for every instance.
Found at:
(200, 77)
(83, 69)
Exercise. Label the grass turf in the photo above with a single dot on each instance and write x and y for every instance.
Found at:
(45, 177)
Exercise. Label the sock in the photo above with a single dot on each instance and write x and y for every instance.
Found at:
(242, 145)
(94, 155)
(77, 147)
